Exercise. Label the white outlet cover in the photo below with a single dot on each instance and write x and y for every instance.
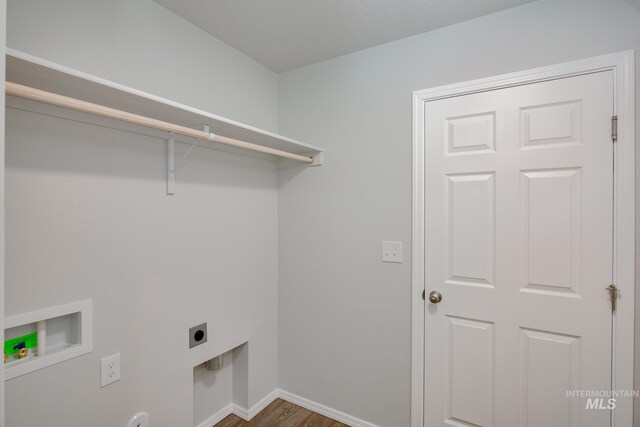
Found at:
(109, 370)
(392, 251)
(141, 419)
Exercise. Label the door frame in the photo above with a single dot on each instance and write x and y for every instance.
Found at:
(622, 66)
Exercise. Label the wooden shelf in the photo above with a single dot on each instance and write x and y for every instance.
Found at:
(41, 74)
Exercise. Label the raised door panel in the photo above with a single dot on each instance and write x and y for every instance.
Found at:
(550, 367)
(470, 229)
(470, 374)
(551, 125)
(470, 134)
(551, 229)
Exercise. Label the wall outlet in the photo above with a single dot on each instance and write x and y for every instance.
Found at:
(110, 370)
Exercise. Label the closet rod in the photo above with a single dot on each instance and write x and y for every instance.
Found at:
(112, 113)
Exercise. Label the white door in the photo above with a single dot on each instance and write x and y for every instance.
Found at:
(518, 232)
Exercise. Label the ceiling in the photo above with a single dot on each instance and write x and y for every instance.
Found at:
(287, 34)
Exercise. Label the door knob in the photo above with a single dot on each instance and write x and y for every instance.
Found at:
(435, 297)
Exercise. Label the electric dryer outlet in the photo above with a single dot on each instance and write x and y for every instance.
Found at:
(197, 335)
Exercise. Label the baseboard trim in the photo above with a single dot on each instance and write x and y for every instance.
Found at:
(255, 409)
(266, 401)
(218, 416)
(324, 410)
(247, 415)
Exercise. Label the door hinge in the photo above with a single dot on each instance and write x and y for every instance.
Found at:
(613, 295)
(614, 128)
(423, 295)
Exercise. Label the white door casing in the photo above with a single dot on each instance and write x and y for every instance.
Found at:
(519, 213)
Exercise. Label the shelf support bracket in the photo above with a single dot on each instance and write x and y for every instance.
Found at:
(171, 171)
(204, 128)
(171, 166)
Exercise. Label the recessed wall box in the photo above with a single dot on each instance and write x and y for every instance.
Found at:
(60, 333)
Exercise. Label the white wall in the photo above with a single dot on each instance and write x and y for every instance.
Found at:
(87, 217)
(3, 8)
(344, 317)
